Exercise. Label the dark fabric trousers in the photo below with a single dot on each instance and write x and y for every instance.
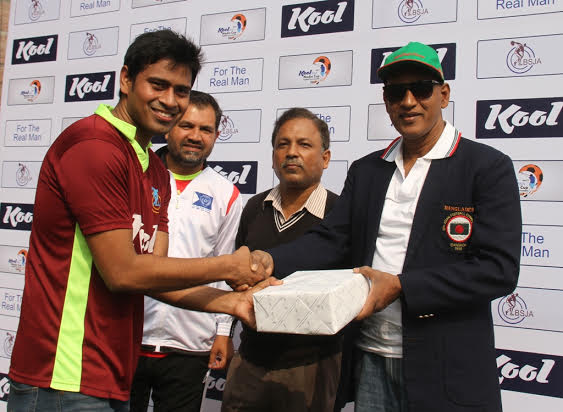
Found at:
(176, 382)
(303, 388)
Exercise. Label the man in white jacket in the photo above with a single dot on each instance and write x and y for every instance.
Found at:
(179, 346)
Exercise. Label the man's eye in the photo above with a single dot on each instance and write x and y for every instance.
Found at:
(183, 93)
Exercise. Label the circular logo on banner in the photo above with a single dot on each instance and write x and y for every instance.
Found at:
(8, 343)
(91, 44)
(530, 177)
(226, 128)
(410, 10)
(459, 228)
(513, 309)
(35, 10)
(521, 58)
(23, 176)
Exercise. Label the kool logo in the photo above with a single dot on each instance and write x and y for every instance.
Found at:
(35, 49)
(510, 370)
(16, 216)
(89, 86)
(145, 240)
(317, 18)
(519, 118)
(242, 174)
(4, 387)
(527, 372)
(446, 53)
(215, 385)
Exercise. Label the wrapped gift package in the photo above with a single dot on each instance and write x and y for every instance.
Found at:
(311, 302)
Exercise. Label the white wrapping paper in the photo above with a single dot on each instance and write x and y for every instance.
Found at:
(311, 302)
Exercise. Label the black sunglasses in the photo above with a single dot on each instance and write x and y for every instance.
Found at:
(422, 89)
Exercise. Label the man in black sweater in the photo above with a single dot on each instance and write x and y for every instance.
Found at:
(283, 372)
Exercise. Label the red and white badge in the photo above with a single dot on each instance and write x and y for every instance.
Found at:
(459, 228)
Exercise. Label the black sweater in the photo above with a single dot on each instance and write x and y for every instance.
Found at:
(258, 230)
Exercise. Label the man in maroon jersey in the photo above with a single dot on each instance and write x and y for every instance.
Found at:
(99, 241)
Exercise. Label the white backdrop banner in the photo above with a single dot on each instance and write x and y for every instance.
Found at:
(502, 59)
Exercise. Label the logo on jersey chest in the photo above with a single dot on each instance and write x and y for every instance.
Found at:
(202, 202)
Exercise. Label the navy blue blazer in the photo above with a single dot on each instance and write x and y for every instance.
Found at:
(463, 252)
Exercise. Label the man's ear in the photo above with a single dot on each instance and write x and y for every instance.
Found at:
(125, 82)
(445, 95)
(326, 158)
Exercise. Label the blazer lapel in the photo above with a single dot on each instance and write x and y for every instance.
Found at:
(432, 189)
(376, 198)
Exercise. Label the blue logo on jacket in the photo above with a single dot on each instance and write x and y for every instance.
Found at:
(202, 201)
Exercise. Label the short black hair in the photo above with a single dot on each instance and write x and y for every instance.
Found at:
(149, 48)
(202, 100)
(302, 113)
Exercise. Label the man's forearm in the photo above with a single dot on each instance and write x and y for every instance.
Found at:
(123, 270)
(201, 298)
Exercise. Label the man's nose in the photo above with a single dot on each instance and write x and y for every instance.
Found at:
(168, 98)
(408, 99)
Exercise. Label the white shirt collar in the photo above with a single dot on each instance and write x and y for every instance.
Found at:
(444, 147)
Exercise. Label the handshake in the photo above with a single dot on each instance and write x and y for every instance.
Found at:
(249, 268)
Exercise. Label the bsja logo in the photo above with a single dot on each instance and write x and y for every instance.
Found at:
(16, 216)
(91, 44)
(513, 309)
(35, 10)
(89, 86)
(519, 118)
(410, 10)
(35, 49)
(227, 128)
(242, 174)
(317, 18)
(521, 58)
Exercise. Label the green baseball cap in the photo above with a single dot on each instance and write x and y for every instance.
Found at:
(413, 53)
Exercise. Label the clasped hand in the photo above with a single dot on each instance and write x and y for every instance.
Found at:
(250, 268)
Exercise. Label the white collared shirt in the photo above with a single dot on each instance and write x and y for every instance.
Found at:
(381, 333)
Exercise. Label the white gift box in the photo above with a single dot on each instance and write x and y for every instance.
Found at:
(317, 302)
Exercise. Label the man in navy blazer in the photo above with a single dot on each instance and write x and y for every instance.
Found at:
(434, 220)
